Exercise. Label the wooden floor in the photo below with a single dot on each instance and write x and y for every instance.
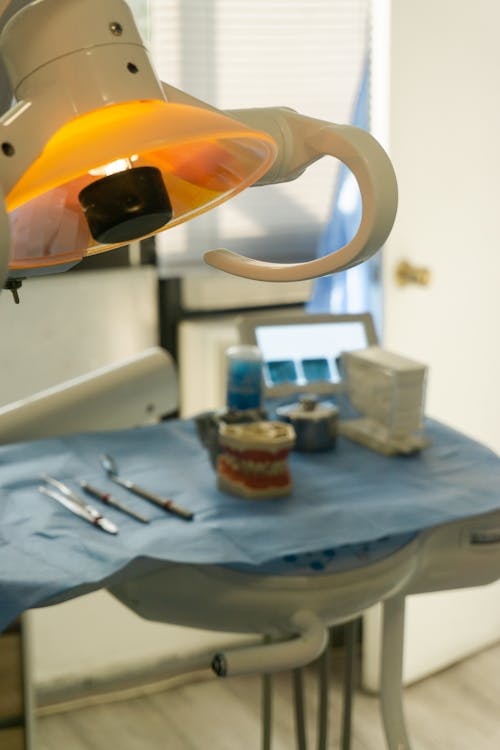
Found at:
(458, 709)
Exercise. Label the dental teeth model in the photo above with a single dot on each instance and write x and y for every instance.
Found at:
(253, 461)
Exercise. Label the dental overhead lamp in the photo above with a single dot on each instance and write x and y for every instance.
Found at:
(96, 152)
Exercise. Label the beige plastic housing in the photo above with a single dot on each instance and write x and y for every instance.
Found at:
(86, 77)
(77, 65)
(302, 141)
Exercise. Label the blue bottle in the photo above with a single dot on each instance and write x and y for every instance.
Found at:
(244, 377)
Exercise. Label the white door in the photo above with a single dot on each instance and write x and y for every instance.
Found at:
(443, 72)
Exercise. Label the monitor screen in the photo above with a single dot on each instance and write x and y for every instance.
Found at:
(306, 353)
(301, 351)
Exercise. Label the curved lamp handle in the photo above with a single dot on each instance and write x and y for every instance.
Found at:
(374, 173)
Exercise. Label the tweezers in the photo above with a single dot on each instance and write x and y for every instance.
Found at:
(73, 502)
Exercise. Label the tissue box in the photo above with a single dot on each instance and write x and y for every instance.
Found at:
(388, 391)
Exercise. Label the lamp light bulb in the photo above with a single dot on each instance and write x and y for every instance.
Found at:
(120, 165)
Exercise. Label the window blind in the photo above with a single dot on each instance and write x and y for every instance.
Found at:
(307, 55)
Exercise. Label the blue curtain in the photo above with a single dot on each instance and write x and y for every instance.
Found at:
(354, 290)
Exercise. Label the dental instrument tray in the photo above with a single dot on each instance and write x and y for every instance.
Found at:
(342, 501)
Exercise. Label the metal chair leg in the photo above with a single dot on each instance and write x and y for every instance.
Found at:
(267, 695)
(391, 690)
(298, 694)
(351, 632)
(323, 695)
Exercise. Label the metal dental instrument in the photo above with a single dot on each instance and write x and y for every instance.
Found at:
(105, 497)
(65, 496)
(111, 469)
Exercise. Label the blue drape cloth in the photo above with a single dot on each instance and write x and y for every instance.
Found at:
(349, 291)
(340, 500)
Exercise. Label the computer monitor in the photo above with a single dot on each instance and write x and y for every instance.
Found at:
(301, 351)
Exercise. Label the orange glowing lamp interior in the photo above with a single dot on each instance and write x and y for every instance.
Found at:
(202, 157)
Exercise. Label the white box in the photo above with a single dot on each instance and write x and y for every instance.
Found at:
(388, 388)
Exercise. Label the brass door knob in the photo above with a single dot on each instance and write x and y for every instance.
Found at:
(408, 274)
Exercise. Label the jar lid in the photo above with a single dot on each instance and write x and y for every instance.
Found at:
(270, 436)
(309, 407)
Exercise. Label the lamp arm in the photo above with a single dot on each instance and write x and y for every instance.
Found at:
(277, 121)
(4, 219)
(301, 141)
(4, 241)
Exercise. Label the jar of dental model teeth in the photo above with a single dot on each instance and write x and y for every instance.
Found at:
(253, 459)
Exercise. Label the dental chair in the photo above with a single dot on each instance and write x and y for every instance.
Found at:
(135, 391)
(292, 613)
(289, 609)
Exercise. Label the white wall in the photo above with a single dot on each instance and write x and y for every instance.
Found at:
(444, 120)
(442, 124)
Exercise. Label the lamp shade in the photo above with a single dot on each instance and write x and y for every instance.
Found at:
(125, 171)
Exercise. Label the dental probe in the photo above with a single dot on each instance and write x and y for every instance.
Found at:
(109, 465)
(105, 497)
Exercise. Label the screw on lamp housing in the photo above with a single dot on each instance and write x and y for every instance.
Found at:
(116, 28)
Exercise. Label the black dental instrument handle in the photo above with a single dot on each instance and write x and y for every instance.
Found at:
(105, 497)
(163, 502)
